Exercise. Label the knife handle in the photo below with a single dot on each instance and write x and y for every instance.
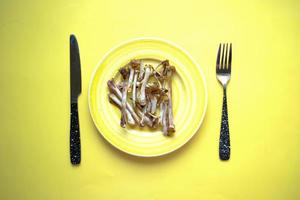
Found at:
(75, 135)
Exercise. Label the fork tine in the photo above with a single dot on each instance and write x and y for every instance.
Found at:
(218, 58)
(226, 52)
(222, 62)
(229, 60)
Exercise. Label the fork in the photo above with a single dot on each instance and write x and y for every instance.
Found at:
(223, 70)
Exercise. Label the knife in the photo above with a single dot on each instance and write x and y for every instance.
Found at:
(75, 79)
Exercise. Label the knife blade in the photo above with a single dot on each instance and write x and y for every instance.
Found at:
(75, 83)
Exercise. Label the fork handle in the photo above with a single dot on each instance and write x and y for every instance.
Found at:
(224, 145)
(75, 153)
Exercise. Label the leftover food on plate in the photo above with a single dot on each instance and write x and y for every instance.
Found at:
(143, 93)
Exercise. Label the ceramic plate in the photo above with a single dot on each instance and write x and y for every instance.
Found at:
(189, 98)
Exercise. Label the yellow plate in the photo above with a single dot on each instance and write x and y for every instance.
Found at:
(189, 98)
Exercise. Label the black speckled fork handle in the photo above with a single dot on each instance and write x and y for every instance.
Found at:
(224, 145)
(75, 135)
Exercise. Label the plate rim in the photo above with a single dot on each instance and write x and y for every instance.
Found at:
(157, 39)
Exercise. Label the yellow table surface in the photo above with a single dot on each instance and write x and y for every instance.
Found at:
(263, 99)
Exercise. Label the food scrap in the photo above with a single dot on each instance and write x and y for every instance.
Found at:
(144, 95)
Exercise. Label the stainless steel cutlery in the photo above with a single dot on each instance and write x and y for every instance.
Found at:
(75, 78)
(223, 70)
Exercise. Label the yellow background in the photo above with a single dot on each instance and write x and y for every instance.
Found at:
(263, 99)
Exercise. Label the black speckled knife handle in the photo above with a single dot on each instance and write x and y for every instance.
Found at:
(224, 145)
(75, 135)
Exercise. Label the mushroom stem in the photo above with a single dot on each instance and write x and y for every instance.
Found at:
(115, 100)
(123, 109)
(161, 114)
(143, 116)
(164, 119)
(134, 88)
(143, 87)
(147, 119)
(124, 98)
(148, 107)
(153, 101)
(142, 71)
(130, 79)
(171, 126)
(113, 89)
